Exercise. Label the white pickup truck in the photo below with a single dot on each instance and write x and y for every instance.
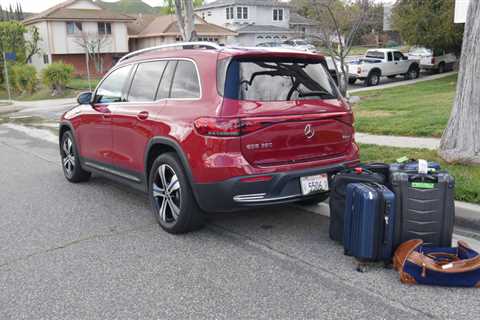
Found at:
(436, 60)
(379, 63)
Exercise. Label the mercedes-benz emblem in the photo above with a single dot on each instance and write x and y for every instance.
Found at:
(309, 131)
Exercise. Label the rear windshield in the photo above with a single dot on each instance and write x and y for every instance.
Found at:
(274, 79)
(375, 55)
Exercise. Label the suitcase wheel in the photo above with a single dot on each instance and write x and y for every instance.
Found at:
(362, 267)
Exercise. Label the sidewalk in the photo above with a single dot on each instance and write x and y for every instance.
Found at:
(403, 83)
(398, 141)
(467, 215)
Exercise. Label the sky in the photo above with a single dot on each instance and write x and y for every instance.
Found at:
(40, 5)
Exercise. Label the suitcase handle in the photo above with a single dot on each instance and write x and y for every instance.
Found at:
(423, 178)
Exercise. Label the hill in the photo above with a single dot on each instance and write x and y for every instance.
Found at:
(129, 6)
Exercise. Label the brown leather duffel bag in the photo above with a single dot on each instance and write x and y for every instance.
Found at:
(458, 266)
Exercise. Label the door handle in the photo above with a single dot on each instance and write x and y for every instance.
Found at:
(106, 116)
(143, 115)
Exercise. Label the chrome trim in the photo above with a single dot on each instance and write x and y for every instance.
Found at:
(158, 100)
(206, 44)
(260, 197)
(112, 171)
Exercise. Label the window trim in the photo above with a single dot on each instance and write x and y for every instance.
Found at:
(278, 11)
(130, 79)
(242, 10)
(105, 26)
(76, 31)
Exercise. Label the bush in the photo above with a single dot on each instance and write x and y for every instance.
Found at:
(24, 78)
(56, 76)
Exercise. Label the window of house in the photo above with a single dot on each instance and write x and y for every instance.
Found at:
(104, 28)
(45, 59)
(74, 27)
(185, 82)
(111, 88)
(277, 14)
(146, 80)
(209, 13)
(203, 15)
(242, 13)
(229, 13)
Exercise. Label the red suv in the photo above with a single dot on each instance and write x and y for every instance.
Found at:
(204, 128)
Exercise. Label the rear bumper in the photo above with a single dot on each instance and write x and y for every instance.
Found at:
(234, 194)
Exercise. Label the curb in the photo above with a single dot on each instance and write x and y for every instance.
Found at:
(467, 215)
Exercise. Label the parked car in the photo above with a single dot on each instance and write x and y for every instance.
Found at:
(379, 63)
(203, 128)
(436, 60)
(272, 45)
(300, 44)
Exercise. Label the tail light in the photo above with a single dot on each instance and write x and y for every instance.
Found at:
(226, 127)
(433, 60)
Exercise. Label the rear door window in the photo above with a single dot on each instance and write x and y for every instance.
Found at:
(277, 80)
(166, 82)
(145, 81)
(185, 82)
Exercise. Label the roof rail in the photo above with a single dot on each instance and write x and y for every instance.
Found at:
(199, 44)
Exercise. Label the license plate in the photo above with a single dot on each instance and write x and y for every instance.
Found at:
(314, 184)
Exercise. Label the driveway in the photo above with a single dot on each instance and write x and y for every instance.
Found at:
(94, 251)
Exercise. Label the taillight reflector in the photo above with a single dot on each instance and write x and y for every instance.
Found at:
(256, 179)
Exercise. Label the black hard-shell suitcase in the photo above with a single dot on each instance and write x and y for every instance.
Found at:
(425, 207)
(338, 195)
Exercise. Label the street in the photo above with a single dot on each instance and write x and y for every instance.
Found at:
(94, 251)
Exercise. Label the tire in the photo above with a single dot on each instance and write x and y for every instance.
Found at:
(176, 210)
(320, 198)
(352, 80)
(373, 79)
(441, 68)
(412, 73)
(70, 160)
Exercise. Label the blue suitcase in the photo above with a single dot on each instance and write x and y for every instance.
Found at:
(369, 223)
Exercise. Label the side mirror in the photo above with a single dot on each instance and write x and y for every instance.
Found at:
(84, 97)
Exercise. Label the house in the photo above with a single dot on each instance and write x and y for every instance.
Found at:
(150, 30)
(304, 27)
(255, 21)
(64, 28)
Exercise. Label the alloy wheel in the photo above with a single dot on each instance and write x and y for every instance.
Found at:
(68, 157)
(167, 194)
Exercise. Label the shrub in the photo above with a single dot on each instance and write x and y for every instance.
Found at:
(56, 76)
(24, 78)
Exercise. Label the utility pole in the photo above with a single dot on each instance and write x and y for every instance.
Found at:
(7, 82)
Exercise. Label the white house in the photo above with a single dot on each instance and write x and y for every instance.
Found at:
(63, 26)
(151, 30)
(255, 21)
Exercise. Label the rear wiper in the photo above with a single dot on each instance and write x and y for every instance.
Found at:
(321, 94)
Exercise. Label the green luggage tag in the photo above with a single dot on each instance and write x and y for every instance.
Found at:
(403, 159)
(423, 185)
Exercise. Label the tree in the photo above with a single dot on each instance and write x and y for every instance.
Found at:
(12, 39)
(185, 19)
(32, 44)
(339, 23)
(461, 139)
(428, 23)
(94, 43)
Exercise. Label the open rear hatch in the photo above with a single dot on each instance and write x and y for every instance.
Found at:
(289, 109)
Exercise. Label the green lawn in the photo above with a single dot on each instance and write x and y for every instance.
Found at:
(420, 109)
(75, 86)
(467, 177)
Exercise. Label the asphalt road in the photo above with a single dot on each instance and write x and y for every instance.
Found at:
(94, 251)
